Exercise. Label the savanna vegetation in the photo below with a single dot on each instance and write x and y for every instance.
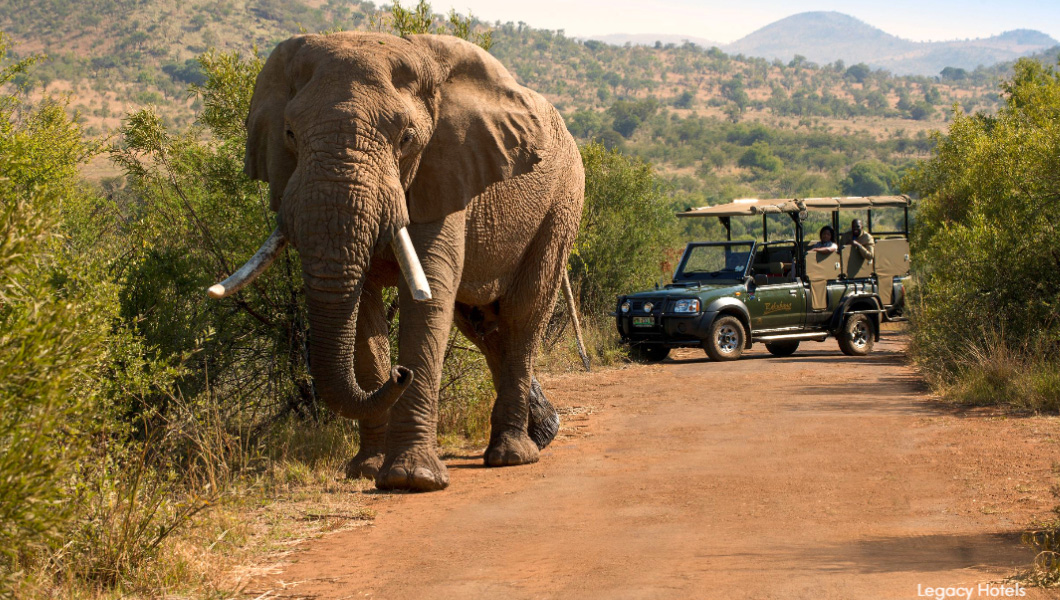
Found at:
(143, 421)
(140, 423)
(987, 258)
(986, 248)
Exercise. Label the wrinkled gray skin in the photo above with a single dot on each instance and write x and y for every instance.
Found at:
(359, 134)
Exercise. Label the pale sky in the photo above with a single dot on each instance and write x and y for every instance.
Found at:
(725, 21)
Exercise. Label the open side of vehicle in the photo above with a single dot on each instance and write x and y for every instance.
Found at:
(725, 296)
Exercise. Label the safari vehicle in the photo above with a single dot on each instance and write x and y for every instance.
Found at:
(725, 296)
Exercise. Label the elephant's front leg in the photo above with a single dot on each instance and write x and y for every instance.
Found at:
(412, 461)
(371, 367)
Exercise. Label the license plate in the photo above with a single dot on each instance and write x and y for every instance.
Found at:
(644, 321)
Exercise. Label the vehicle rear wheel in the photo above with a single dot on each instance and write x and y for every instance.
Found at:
(782, 349)
(726, 340)
(856, 336)
(649, 352)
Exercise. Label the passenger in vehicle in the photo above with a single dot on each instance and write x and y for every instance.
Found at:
(860, 239)
(827, 243)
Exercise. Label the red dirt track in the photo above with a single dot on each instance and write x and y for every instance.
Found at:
(816, 476)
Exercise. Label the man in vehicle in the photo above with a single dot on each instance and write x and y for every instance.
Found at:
(860, 239)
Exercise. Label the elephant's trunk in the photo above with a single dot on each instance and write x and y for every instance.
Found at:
(336, 226)
(333, 326)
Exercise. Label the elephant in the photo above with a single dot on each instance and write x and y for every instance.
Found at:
(418, 156)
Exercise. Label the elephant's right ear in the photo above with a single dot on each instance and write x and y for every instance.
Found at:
(267, 158)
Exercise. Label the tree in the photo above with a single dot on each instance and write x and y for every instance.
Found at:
(985, 243)
(685, 99)
(859, 72)
(921, 111)
(421, 19)
(627, 227)
(733, 90)
(869, 178)
(65, 355)
(585, 123)
(954, 73)
(627, 115)
(760, 156)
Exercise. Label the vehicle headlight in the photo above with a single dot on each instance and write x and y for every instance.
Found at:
(626, 306)
(688, 305)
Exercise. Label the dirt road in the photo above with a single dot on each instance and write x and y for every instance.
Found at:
(814, 476)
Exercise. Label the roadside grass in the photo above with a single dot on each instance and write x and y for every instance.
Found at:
(204, 505)
(198, 526)
(1044, 540)
(1045, 572)
(559, 351)
(987, 371)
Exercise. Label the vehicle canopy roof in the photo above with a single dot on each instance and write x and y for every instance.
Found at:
(745, 207)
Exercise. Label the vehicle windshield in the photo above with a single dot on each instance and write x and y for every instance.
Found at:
(726, 260)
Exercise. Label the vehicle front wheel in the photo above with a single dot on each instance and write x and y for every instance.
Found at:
(649, 352)
(856, 336)
(782, 349)
(726, 340)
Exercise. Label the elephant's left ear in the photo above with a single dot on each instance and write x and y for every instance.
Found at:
(488, 128)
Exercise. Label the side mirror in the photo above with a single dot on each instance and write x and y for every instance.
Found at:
(749, 283)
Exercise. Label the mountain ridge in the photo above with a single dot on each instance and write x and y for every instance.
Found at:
(853, 41)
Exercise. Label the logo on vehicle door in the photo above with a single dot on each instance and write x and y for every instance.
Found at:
(775, 307)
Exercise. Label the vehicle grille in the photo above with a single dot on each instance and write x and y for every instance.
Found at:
(638, 306)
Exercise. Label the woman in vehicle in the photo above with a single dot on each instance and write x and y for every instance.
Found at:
(827, 243)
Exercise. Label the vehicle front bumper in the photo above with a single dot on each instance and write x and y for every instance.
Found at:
(673, 330)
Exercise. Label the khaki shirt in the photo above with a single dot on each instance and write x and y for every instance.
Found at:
(868, 245)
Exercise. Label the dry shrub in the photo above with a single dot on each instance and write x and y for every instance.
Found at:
(987, 370)
(467, 393)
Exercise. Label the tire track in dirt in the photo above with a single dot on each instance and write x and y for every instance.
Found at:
(814, 476)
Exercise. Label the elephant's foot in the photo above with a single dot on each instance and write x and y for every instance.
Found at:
(509, 449)
(544, 420)
(415, 469)
(366, 464)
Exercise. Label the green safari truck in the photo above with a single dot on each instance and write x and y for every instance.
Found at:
(727, 295)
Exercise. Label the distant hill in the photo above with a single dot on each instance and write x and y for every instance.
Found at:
(825, 37)
(693, 111)
(649, 39)
(114, 56)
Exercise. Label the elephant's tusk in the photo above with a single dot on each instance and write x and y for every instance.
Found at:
(254, 267)
(410, 265)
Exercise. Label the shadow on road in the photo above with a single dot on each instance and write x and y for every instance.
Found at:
(897, 554)
(926, 553)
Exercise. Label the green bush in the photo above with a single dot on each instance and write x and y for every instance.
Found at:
(52, 325)
(195, 217)
(65, 356)
(986, 249)
(869, 178)
(760, 156)
(627, 227)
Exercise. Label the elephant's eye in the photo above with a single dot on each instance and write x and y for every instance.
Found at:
(407, 137)
(290, 135)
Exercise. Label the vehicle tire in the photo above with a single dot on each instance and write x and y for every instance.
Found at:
(649, 353)
(856, 335)
(782, 349)
(727, 339)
